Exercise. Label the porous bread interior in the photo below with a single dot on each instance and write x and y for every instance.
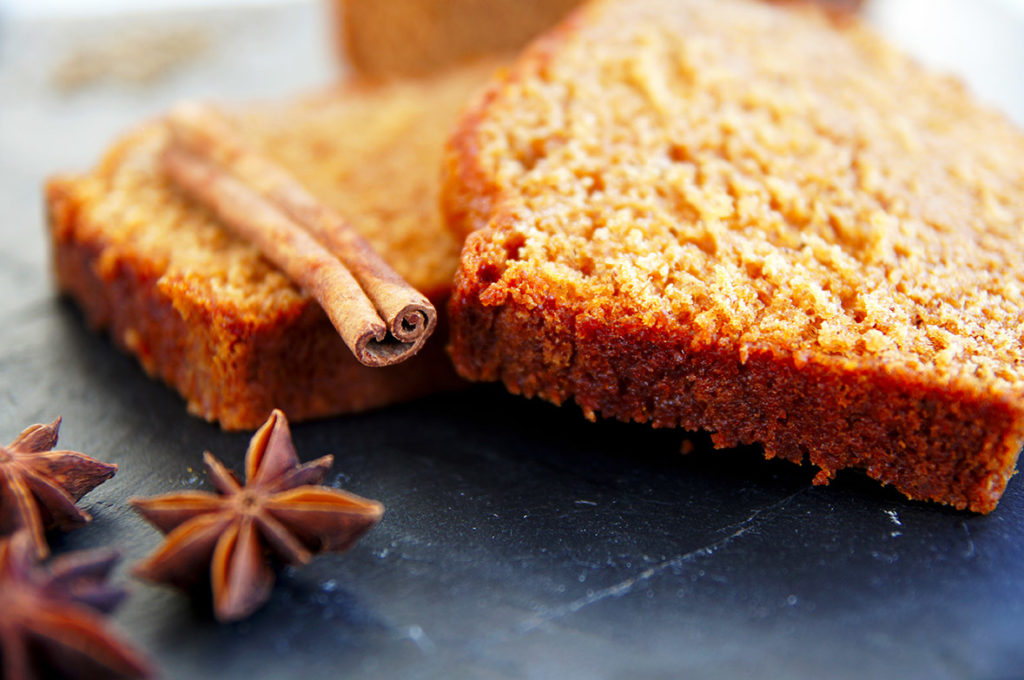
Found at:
(366, 151)
(757, 178)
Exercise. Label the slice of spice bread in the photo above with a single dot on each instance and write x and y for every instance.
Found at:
(202, 310)
(752, 220)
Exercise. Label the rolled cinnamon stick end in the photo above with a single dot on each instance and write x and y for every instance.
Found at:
(409, 315)
(301, 257)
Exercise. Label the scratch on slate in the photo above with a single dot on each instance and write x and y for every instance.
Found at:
(624, 587)
(416, 634)
(969, 552)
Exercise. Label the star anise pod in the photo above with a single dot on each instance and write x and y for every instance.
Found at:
(39, 487)
(52, 622)
(279, 512)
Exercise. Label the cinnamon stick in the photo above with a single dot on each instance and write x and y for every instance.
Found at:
(381, 318)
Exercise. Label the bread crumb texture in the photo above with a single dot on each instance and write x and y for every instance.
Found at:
(736, 178)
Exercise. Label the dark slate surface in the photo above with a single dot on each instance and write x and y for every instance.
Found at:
(520, 541)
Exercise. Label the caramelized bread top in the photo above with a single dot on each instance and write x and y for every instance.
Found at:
(751, 177)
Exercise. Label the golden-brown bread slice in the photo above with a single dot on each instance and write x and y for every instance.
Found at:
(205, 312)
(731, 216)
(385, 38)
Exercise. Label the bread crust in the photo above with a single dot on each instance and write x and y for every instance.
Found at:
(955, 445)
(468, 192)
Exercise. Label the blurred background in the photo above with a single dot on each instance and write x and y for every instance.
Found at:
(75, 74)
(138, 56)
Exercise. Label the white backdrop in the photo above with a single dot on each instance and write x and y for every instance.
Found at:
(947, 38)
(79, 7)
(70, 8)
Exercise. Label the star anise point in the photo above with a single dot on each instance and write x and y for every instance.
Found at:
(279, 512)
(40, 486)
(53, 621)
